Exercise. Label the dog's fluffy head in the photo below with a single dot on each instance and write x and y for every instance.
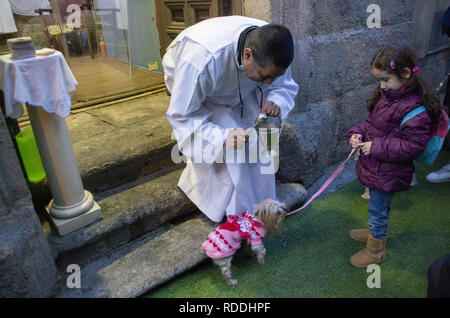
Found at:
(271, 213)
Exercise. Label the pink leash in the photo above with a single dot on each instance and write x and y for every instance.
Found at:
(326, 184)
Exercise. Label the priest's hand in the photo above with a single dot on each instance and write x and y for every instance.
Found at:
(236, 138)
(270, 108)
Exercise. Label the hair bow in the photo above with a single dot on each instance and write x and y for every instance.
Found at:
(416, 69)
(393, 65)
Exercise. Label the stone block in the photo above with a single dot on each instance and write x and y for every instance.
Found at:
(258, 9)
(26, 265)
(305, 144)
(315, 139)
(296, 15)
(12, 181)
(336, 16)
(291, 194)
(78, 122)
(323, 17)
(340, 62)
(149, 265)
(435, 67)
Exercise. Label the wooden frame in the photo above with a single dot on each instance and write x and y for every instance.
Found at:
(176, 15)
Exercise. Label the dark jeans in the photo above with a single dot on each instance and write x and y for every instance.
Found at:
(439, 278)
(379, 208)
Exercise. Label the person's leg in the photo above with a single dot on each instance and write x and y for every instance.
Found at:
(441, 175)
(378, 210)
(438, 278)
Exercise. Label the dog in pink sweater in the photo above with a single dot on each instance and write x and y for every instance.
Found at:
(225, 240)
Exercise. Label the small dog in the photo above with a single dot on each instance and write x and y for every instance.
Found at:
(225, 240)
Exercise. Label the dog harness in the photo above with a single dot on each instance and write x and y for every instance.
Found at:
(226, 239)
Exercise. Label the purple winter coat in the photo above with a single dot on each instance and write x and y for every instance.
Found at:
(389, 167)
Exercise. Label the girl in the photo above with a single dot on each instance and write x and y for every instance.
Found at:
(385, 164)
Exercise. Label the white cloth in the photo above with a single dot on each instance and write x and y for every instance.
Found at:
(201, 71)
(27, 7)
(44, 81)
(7, 24)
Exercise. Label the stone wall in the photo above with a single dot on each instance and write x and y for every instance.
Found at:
(27, 267)
(259, 9)
(334, 47)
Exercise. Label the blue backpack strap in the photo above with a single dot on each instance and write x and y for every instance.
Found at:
(413, 113)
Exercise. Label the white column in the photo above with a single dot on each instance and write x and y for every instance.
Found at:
(72, 207)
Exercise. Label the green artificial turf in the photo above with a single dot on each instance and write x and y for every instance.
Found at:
(310, 256)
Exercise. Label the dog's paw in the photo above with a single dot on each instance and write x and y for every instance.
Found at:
(232, 282)
(261, 259)
(260, 256)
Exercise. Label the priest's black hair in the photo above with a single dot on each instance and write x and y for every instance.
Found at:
(271, 43)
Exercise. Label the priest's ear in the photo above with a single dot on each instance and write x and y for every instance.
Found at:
(247, 54)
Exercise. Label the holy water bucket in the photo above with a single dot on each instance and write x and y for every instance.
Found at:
(269, 134)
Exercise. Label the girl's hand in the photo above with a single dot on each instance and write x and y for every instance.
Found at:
(365, 147)
(355, 140)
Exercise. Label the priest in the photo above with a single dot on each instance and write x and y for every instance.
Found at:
(221, 73)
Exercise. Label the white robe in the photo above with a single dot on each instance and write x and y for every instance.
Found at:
(7, 24)
(201, 70)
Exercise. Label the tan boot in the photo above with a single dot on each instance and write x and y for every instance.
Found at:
(374, 253)
(359, 235)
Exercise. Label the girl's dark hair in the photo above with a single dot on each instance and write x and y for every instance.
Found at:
(271, 43)
(404, 57)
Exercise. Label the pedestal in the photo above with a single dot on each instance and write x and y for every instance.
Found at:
(65, 226)
(72, 207)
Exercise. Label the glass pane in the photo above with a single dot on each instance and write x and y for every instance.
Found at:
(111, 46)
(126, 59)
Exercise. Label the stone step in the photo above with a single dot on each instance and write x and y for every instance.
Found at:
(132, 213)
(147, 212)
(127, 216)
(117, 143)
(145, 263)
(137, 269)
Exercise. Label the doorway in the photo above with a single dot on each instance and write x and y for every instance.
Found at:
(113, 50)
(113, 47)
(176, 15)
